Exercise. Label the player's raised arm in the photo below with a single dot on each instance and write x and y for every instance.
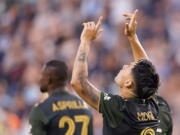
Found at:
(79, 79)
(130, 31)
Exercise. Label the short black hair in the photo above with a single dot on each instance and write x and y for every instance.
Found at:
(58, 72)
(146, 79)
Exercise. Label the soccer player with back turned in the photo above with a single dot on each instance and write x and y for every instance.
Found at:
(135, 110)
(61, 113)
(166, 125)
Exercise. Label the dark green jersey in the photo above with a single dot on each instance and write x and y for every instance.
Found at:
(61, 114)
(166, 126)
(128, 116)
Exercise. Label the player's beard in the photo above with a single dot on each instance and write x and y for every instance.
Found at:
(43, 89)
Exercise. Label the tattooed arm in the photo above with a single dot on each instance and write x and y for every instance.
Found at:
(130, 31)
(79, 79)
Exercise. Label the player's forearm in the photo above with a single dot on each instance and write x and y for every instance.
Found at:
(79, 79)
(137, 49)
(80, 65)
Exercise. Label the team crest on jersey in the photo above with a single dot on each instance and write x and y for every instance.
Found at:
(106, 97)
(148, 131)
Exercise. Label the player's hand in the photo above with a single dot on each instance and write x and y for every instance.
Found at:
(91, 30)
(130, 28)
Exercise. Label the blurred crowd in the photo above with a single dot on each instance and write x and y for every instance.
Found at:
(35, 31)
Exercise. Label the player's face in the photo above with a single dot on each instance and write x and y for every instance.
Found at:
(124, 77)
(44, 80)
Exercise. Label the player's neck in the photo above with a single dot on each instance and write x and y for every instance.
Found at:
(127, 93)
(52, 90)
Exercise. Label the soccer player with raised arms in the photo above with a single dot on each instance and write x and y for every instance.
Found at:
(135, 110)
(165, 127)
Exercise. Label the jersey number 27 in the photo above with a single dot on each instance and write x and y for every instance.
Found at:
(84, 119)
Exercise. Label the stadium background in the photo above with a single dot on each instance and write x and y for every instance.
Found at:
(34, 31)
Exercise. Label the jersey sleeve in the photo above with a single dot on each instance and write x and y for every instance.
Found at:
(166, 124)
(111, 107)
(170, 129)
(37, 122)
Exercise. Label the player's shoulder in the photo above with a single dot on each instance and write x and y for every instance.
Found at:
(108, 96)
(41, 108)
(111, 100)
(162, 102)
(35, 109)
(36, 114)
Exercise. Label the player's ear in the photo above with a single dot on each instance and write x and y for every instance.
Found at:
(128, 83)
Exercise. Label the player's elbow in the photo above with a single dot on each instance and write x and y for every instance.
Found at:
(75, 84)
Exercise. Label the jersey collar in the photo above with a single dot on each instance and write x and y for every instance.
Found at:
(59, 92)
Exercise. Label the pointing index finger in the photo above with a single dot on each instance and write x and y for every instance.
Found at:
(133, 19)
(99, 22)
